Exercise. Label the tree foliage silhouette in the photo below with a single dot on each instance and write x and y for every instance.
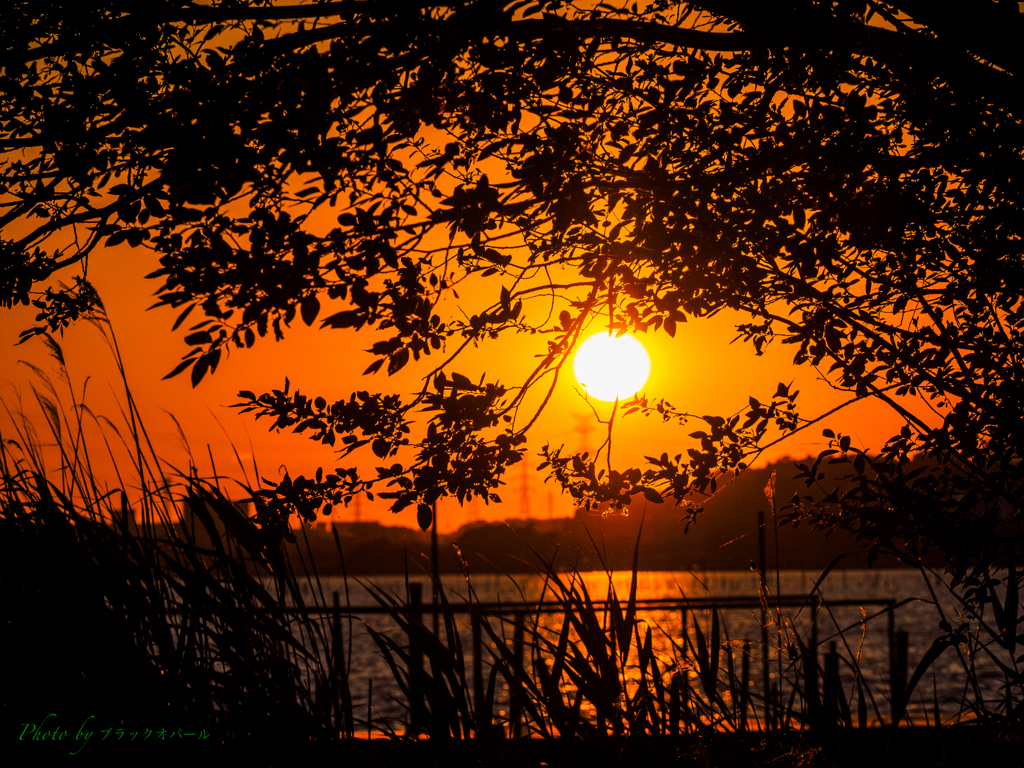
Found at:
(846, 175)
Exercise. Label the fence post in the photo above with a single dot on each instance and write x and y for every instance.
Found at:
(686, 699)
(338, 683)
(478, 675)
(762, 564)
(514, 689)
(838, 707)
(891, 634)
(727, 649)
(745, 685)
(899, 676)
(831, 683)
(673, 705)
(811, 672)
(435, 573)
(679, 680)
(415, 660)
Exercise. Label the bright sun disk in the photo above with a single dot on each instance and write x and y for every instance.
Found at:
(610, 367)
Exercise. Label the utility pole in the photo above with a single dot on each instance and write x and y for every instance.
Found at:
(584, 427)
(524, 492)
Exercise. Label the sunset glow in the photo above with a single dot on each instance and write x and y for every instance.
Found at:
(609, 367)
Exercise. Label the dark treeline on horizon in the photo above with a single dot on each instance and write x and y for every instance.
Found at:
(724, 537)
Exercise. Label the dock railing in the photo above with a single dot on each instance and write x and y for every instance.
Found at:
(819, 685)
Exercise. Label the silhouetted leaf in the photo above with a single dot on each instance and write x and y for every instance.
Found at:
(398, 360)
(180, 367)
(424, 516)
(652, 495)
(200, 369)
(309, 309)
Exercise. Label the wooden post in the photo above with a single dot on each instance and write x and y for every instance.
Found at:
(830, 704)
(339, 662)
(730, 667)
(435, 572)
(745, 685)
(762, 565)
(369, 711)
(839, 707)
(514, 689)
(415, 661)
(676, 702)
(673, 705)
(685, 699)
(685, 632)
(478, 675)
(899, 676)
(811, 673)
(891, 630)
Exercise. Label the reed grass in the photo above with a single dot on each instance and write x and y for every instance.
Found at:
(117, 609)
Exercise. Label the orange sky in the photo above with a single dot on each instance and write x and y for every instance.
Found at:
(697, 371)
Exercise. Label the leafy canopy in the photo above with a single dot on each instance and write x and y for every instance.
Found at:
(846, 175)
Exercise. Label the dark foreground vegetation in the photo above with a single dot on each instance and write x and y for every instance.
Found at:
(113, 613)
(143, 633)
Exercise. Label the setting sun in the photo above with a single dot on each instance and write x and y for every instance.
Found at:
(609, 367)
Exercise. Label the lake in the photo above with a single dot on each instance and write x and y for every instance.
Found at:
(865, 646)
